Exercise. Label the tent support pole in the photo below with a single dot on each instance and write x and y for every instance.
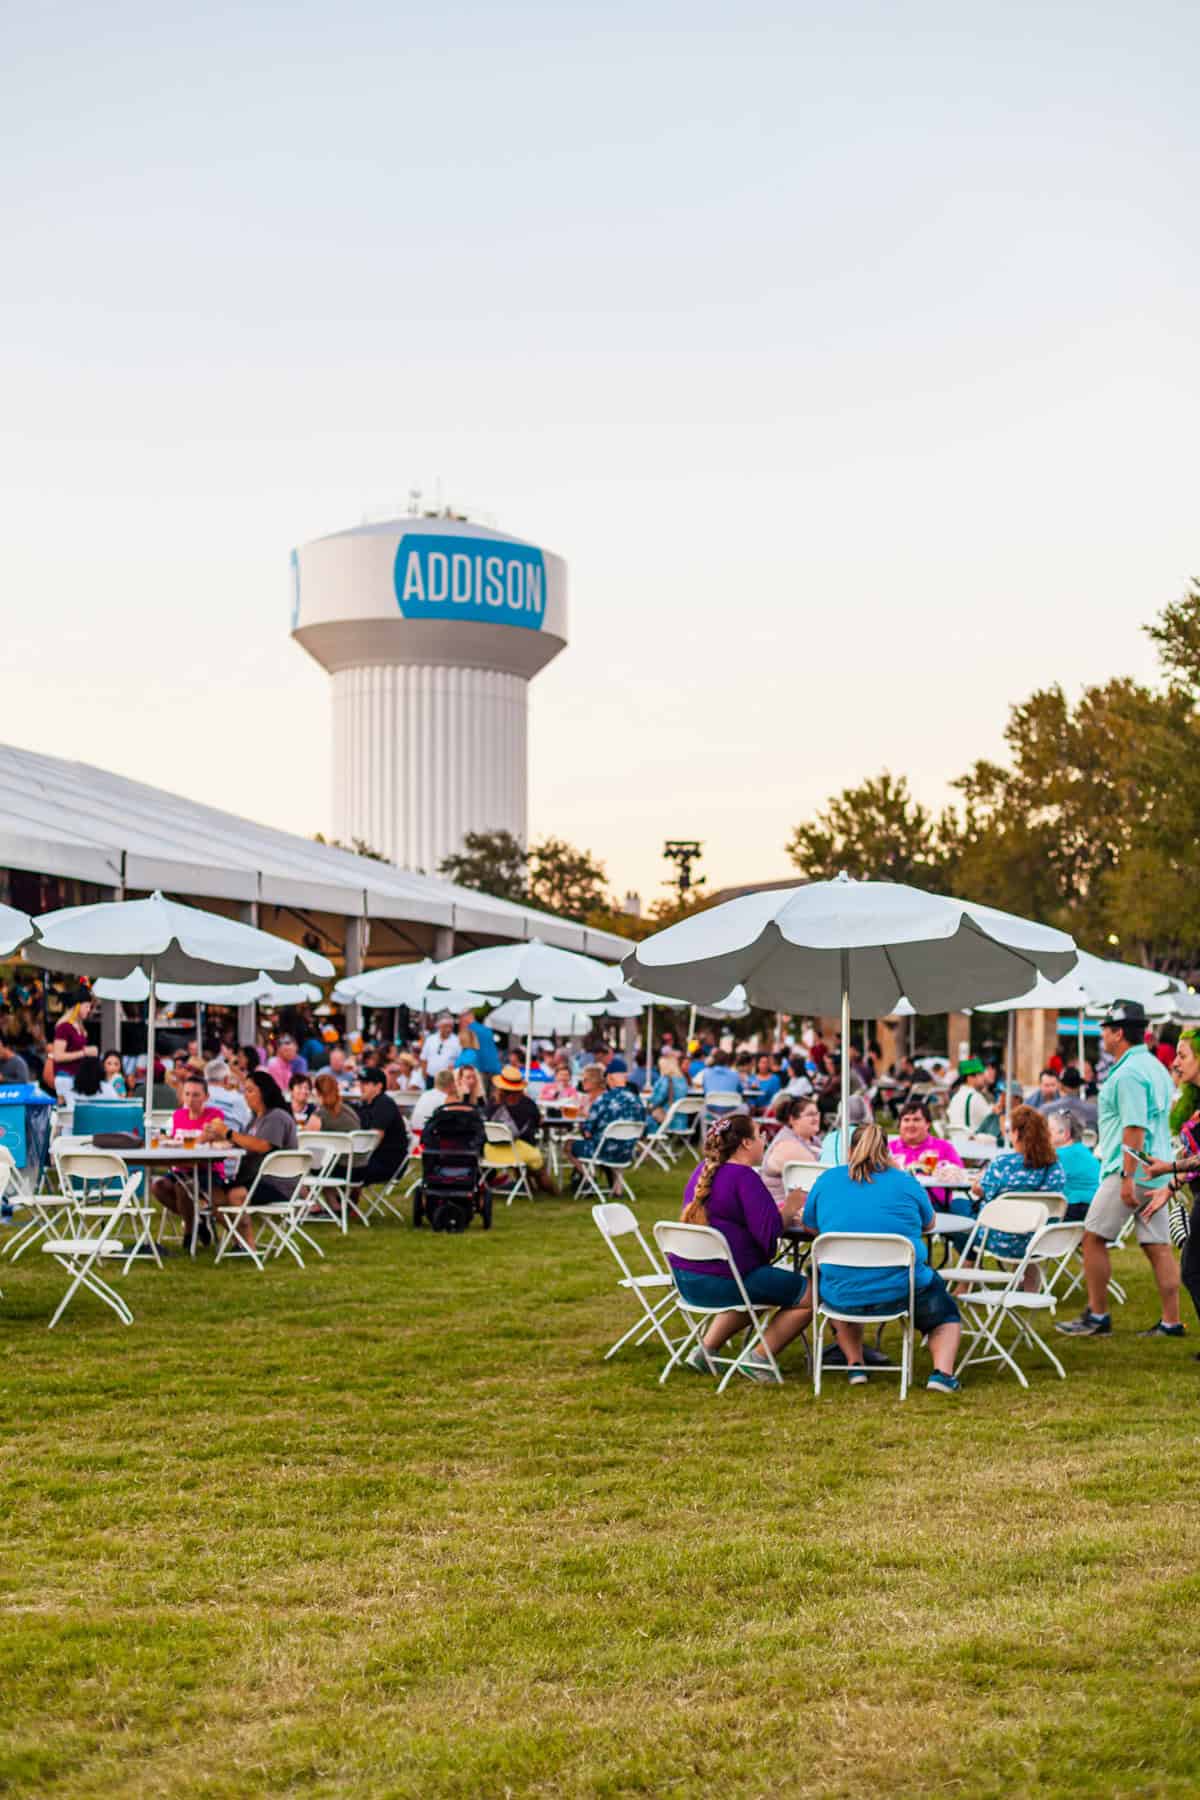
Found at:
(845, 1056)
(529, 1044)
(1009, 1058)
(150, 1025)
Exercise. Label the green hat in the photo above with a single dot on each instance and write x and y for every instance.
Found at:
(972, 1066)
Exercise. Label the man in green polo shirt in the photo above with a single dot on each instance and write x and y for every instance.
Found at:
(1134, 1125)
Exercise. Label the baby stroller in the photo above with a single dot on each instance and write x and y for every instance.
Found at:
(452, 1188)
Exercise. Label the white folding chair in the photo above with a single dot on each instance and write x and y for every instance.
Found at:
(327, 1184)
(615, 1221)
(1120, 1242)
(618, 1131)
(704, 1243)
(669, 1138)
(94, 1181)
(501, 1140)
(801, 1175)
(280, 1219)
(47, 1210)
(719, 1106)
(81, 1250)
(366, 1141)
(1013, 1213)
(383, 1196)
(864, 1250)
(987, 1307)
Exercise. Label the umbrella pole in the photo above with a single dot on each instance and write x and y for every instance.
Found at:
(845, 1056)
(150, 1023)
(1079, 1040)
(649, 1045)
(529, 1044)
(691, 1027)
(1009, 1055)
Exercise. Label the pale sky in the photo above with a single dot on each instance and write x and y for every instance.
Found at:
(848, 354)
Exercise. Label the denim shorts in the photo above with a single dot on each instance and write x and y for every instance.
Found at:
(935, 1306)
(768, 1286)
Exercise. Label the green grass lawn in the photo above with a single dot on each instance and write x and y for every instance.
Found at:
(391, 1526)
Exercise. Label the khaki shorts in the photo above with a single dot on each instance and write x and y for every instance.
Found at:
(1107, 1214)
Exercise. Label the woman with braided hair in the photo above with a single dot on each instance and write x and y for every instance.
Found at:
(728, 1193)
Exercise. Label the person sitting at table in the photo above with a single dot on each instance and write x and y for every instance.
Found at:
(562, 1090)
(333, 1109)
(379, 1112)
(304, 1109)
(458, 1123)
(718, 1077)
(225, 1094)
(174, 1191)
(727, 1192)
(607, 1099)
(444, 1086)
(767, 1082)
(512, 1106)
(917, 1141)
(272, 1127)
(859, 1114)
(89, 1083)
(1030, 1167)
(670, 1086)
(870, 1194)
(341, 1067)
(114, 1075)
(970, 1110)
(1079, 1165)
(1048, 1093)
(799, 1140)
(469, 1089)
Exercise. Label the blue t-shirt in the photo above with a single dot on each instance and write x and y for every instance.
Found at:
(489, 1056)
(1082, 1170)
(890, 1201)
(767, 1090)
(720, 1079)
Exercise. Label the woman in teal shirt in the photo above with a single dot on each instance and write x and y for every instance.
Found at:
(1079, 1164)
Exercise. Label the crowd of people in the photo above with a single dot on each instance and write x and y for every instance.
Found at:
(1139, 1105)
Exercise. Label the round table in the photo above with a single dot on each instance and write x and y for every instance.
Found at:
(171, 1155)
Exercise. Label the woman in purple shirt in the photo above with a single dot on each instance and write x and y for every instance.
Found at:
(728, 1193)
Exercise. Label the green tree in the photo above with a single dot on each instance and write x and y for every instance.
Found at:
(565, 880)
(876, 831)
(357, 847)
(491, 862)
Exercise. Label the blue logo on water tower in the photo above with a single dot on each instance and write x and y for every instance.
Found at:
(470, 578)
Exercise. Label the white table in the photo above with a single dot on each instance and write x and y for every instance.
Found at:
(171, 1155)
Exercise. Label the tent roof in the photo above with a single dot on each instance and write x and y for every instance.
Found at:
(70, 819)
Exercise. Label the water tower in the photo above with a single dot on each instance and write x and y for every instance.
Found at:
(431, 629)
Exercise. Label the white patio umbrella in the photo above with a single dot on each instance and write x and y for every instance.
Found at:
(843, 945)
(263, 990)
(531, 972)
(551, 1018)
(16, 928)
(1095, 981)
(407, 984)
(168, 942)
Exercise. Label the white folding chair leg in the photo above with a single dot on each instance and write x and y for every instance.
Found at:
(990, 1321)
(232, 1222)
(650, 1323)
(84, 1275)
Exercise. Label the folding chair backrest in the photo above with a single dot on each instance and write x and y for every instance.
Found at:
(1014, 1212)
(1054, 1241)
(498, 1133)
(723, 1102)
(683, 1109)
(283, 1165)
(87, 1167)
(364, 1143)
(694, 1243)
(864, 1250)
(615, 1220)
(326, 1146)
(801, 1175)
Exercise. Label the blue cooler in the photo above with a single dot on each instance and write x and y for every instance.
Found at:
(25, 1111)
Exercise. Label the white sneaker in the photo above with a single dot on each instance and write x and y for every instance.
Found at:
(756, 1368)
(697, 1360)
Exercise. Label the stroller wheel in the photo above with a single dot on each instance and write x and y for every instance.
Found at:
(451, 1216)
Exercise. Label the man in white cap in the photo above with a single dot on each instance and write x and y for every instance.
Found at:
(440, 1049)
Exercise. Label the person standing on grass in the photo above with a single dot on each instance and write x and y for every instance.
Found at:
(1185, 1169)
(728, 1193)
(1135, 1136)
(869, 1194)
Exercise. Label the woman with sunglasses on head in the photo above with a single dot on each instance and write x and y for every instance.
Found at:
(728, 1193)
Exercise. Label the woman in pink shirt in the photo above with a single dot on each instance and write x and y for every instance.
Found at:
(174, 1191)
(916, 1140)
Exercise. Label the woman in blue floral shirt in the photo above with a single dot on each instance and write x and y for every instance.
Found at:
(1030, 1167)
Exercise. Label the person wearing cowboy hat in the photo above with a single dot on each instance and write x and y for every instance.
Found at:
(512, 1106)
(1135, 1142)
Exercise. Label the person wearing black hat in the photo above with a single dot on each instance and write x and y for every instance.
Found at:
(1134, 1123)
(379, 1112)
